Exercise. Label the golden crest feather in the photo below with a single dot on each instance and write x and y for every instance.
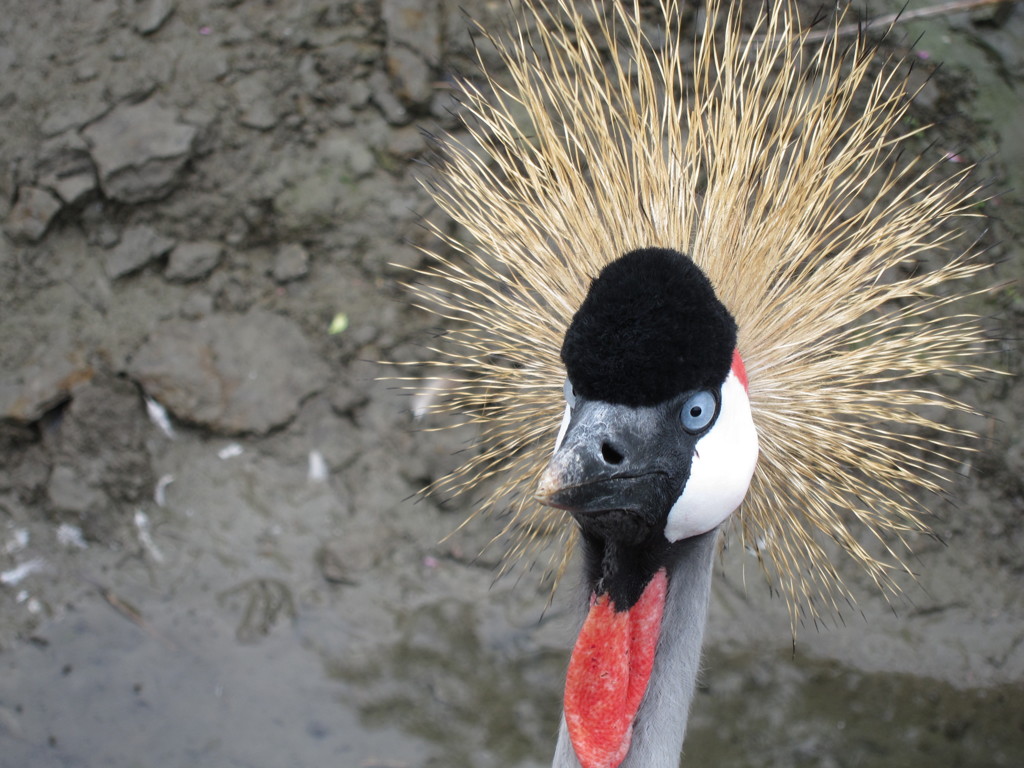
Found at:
(777, 167)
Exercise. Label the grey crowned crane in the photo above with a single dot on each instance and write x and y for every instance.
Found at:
(656, 450)
(677, 266)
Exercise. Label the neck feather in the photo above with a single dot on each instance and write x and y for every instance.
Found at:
(661, 721)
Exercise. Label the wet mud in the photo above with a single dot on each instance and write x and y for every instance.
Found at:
(211, 551)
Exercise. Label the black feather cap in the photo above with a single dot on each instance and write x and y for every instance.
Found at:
(649, 329)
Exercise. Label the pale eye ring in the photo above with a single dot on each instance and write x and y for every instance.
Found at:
(570, 393)
(699, 411)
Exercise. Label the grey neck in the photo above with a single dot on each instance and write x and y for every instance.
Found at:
(661, 722)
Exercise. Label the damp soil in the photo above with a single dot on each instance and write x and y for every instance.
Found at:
(211, 551)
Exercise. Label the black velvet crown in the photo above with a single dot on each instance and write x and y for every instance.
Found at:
(650, 328)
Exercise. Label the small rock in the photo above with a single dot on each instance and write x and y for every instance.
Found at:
(31, 215)
(410, 76)
(413, 46)
(191, 261)
(406, 143)
(361, 91)
(342, 562)
(341, 59)
(65, 168)
(345, 150)
(152, 16)
(390, 106)
(313, 203)
(86, 72)
(138, 246)
(64, 155)
(255, 103)
(139, 150)
(291, 263)
(231, 373)
(73, 189)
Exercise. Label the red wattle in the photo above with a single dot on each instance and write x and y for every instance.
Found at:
(608, 674)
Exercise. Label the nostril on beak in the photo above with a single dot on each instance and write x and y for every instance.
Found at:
(610, 455)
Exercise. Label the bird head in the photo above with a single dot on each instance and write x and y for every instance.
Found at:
(657, 445)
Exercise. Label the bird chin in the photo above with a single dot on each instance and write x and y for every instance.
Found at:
(623, 526)
(625, 510)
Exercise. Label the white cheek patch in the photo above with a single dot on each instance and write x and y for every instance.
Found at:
(564, 428)
(722, 467)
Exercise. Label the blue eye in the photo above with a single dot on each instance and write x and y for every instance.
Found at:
(699, 411)
(570, 393)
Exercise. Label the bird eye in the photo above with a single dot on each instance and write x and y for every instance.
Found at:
(699, 411)
(570, 393)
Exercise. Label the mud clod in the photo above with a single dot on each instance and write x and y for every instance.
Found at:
(233, 374)
(140, 150)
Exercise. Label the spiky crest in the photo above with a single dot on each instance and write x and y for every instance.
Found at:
(778, 169)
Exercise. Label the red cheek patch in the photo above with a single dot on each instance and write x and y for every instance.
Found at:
(740, 369)
(608, 674)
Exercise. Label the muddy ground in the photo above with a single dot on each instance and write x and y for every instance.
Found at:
(208, 550)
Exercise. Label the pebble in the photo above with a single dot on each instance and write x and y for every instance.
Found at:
(74, 188)
(86, 72)
(392, 109)
(342, 561)
(138, 246)
(152, 16)
(406, 143)
(192, 261)
(343, 115)
(313, 202)
(255, 103)
(31, 215)
(348, 152)
(291, 263)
